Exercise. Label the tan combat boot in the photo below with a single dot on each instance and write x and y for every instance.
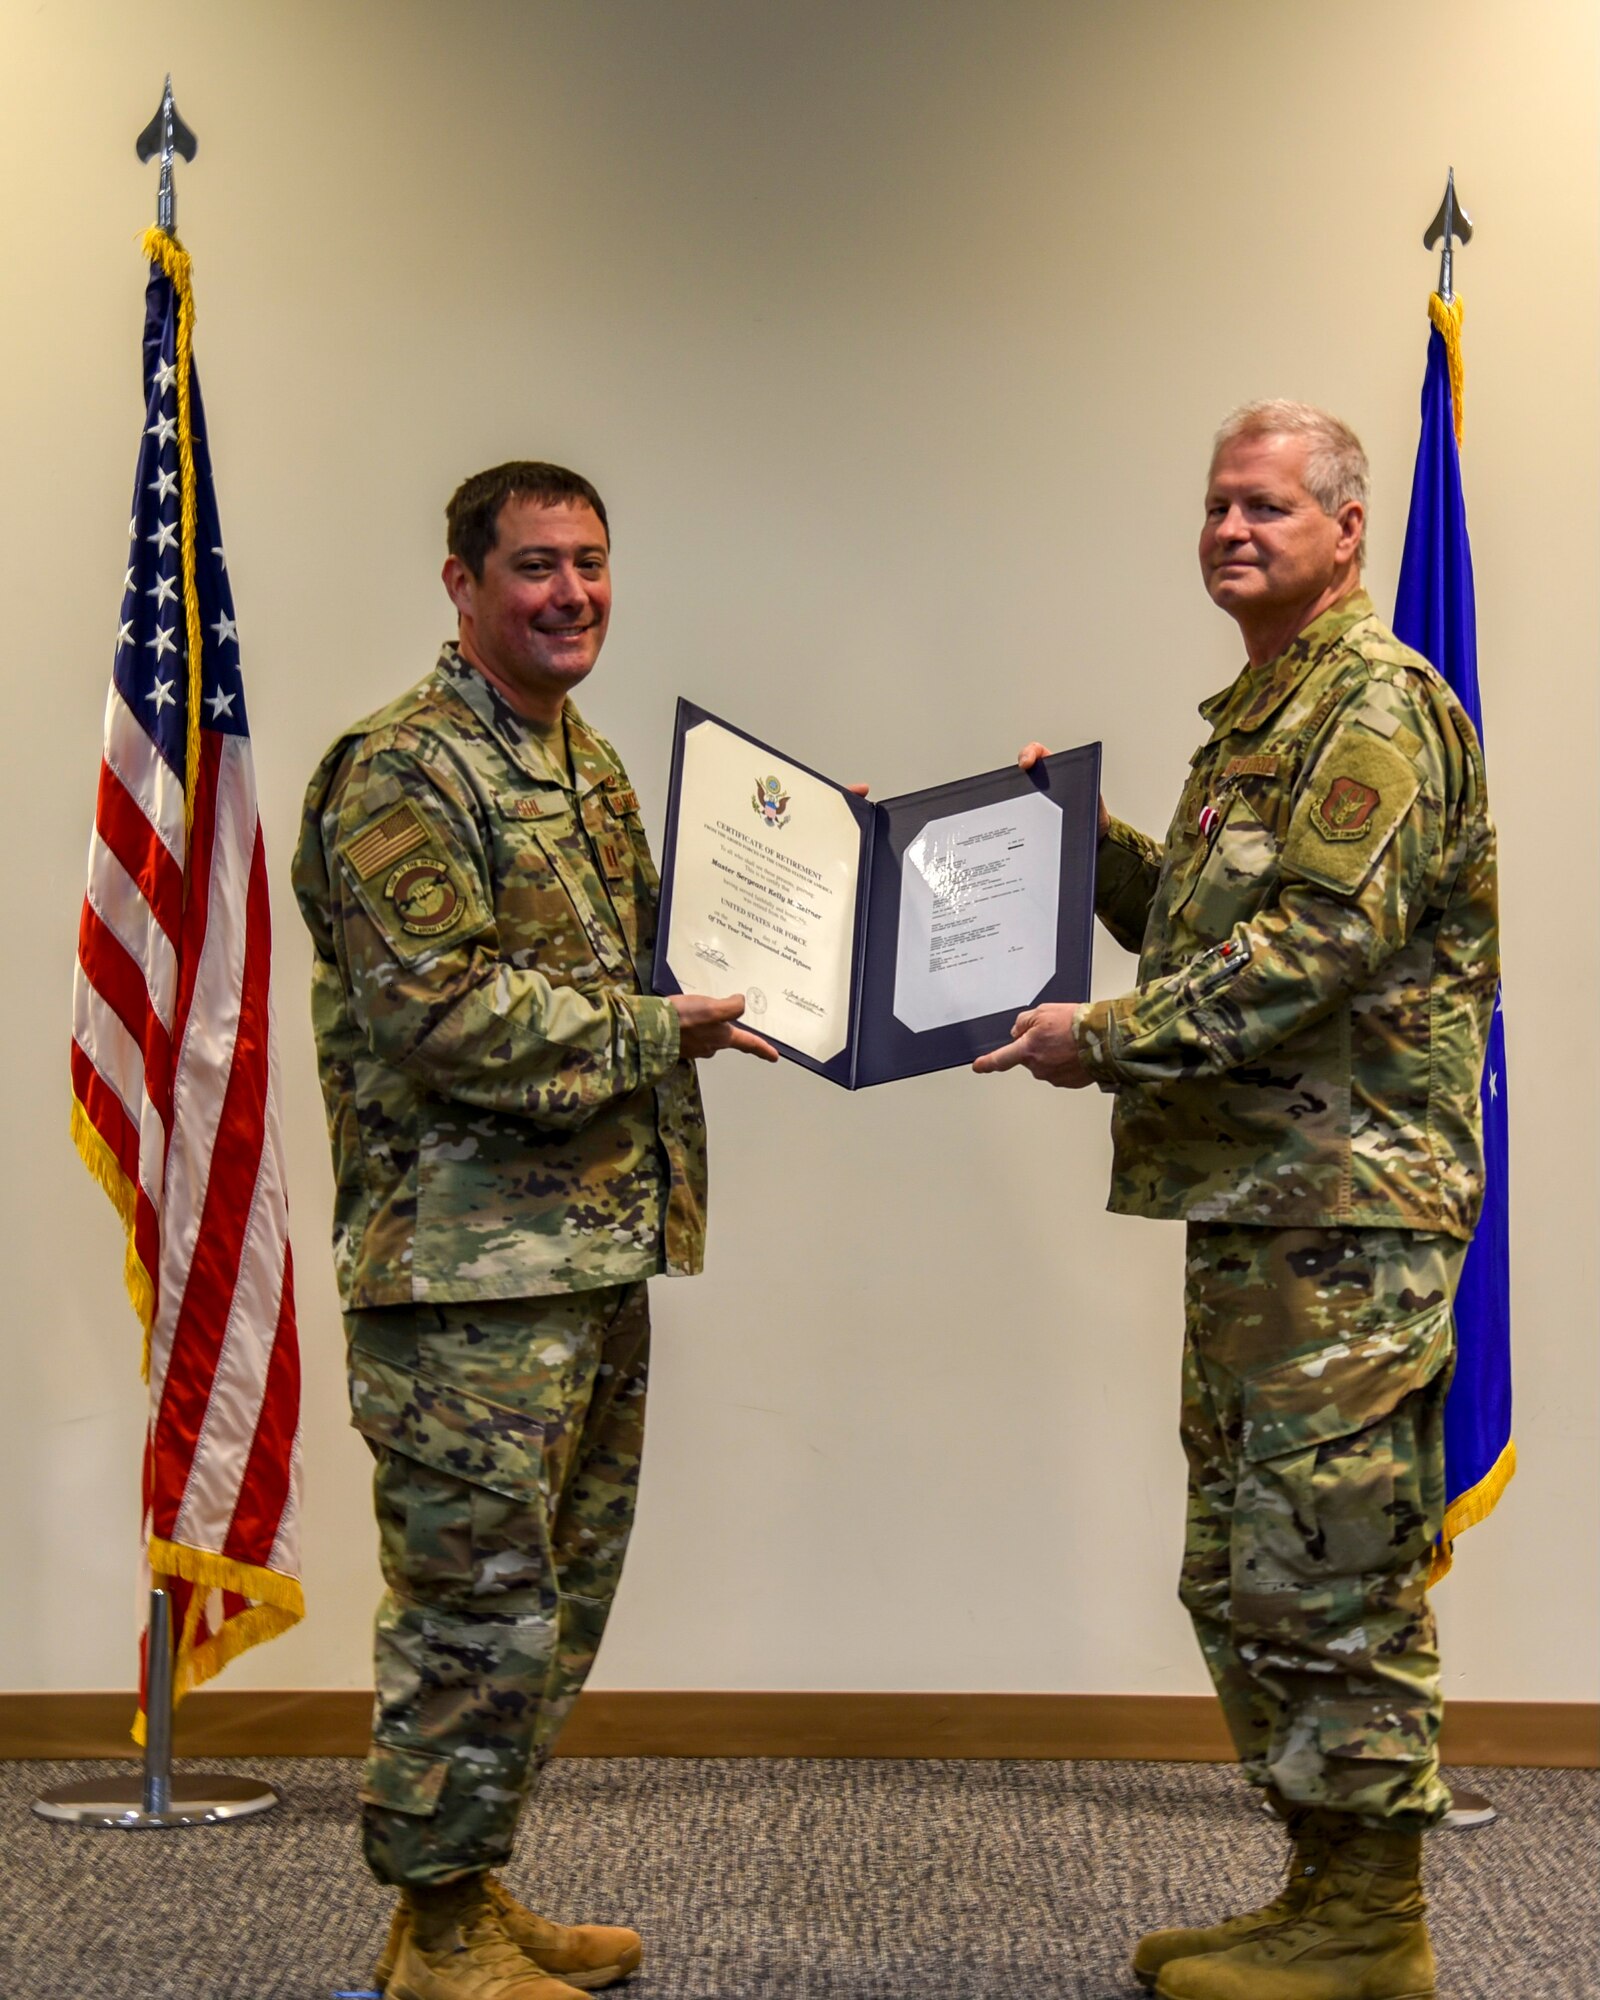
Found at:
(584, 1955)
(1307, 1858)
(1361, 1937)
(452, 1948)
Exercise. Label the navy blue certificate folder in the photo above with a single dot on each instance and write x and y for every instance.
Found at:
(970, 893)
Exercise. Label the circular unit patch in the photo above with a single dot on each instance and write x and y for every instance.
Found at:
(425, 899)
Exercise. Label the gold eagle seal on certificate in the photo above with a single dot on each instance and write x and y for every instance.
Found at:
(771, 801)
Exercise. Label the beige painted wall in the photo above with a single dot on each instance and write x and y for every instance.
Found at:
(895, 335)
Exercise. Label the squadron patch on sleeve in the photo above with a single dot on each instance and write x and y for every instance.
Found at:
(1344, 811)
(425, 899)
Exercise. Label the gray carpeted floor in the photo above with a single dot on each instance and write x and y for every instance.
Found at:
(753, 1879)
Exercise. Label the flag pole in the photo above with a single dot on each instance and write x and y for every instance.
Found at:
(157, 1798)
(1450, 225)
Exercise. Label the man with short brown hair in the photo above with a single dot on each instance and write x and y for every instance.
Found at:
(518, 1145)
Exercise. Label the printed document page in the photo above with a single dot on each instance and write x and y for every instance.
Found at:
(764, 890)
(979, 903)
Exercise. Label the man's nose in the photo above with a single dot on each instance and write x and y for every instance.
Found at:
(566, 587)
(1232, 528)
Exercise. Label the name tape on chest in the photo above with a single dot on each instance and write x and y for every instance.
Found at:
(534, 805)
(1260, 765)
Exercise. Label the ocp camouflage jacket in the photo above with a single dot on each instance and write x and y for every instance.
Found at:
(507, 1108)
(1318, 952)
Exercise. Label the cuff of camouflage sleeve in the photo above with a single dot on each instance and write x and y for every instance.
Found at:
(1091, 1030)
(1119, 834)
(655, 1023)
(1119, 857)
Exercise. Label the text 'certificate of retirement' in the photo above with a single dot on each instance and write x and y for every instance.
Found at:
(765, 869)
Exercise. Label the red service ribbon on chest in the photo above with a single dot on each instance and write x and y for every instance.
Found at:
(1210, 819)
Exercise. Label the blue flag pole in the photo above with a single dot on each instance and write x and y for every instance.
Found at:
(1435, 613)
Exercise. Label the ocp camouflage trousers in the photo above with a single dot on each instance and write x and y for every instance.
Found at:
(1315, 1369)
(507, 1435)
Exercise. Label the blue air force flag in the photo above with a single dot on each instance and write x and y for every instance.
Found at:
(1435, 613)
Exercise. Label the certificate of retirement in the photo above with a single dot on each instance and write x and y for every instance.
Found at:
(873, 940)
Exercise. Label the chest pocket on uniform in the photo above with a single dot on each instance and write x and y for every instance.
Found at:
(1237, 865)
(545, 892)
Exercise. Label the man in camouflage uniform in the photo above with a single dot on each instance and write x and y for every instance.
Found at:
(517, 1145)
(1296, 1076)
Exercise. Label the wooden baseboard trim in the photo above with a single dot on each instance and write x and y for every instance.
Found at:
(316, 1722)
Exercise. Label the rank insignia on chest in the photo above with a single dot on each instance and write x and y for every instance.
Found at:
(613, 857)
(1345, 810)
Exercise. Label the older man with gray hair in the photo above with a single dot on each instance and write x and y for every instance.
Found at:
(1296, 1077)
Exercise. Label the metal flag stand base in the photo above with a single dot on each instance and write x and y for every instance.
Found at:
(202, 1798)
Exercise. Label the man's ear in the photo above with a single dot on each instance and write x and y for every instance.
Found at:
(459, 582)
(1352, 519)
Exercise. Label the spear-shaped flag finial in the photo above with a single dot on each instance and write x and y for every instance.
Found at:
(1452, 221)
(165, 135)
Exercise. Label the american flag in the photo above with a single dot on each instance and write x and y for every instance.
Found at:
(176, 1098)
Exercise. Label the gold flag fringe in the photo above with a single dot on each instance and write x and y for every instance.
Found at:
(277, 1603)
(1471, 1507)
(1447, 318)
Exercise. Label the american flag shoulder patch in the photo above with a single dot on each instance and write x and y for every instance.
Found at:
(386, 841)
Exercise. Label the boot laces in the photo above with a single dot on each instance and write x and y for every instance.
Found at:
(504, 1904)
(491, 1951)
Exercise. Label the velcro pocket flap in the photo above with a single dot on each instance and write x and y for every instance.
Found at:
(1337, 1390)
(404, 1781)
(443, 1426)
